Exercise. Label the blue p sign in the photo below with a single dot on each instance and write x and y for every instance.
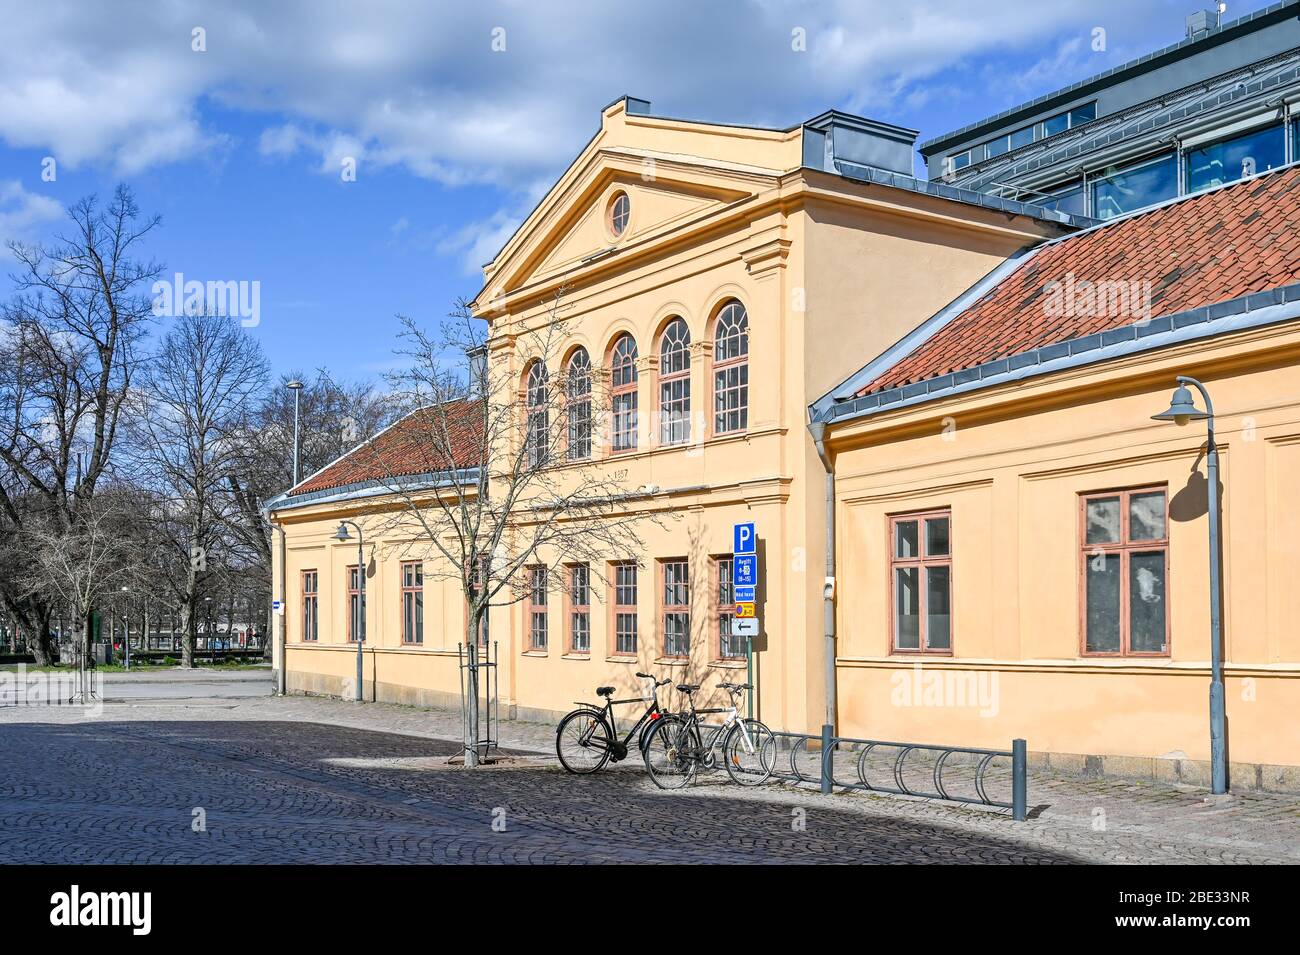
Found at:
(743, 539)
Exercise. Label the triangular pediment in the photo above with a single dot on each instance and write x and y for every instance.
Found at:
(572, 228)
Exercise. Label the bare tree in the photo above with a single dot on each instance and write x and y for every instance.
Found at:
(333, 417)
(193, 412)
(69, 352)
(496, 476)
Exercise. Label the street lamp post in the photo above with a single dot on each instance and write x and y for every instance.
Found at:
(1182, 409)
(296, 387)
(359, 617)
(126, 638)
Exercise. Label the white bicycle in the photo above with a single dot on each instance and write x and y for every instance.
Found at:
(677, 748)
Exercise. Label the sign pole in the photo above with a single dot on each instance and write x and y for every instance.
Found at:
(749, 672)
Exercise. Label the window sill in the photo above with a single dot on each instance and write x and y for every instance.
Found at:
(729, 664)
(673, 661)
(535, 653)
(575, 656)
(620, 658)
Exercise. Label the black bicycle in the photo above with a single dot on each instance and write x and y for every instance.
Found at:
(587, 738)
(677, 747)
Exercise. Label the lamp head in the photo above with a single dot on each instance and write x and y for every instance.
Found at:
(342, 533)
(294, 385)
(1182, 409)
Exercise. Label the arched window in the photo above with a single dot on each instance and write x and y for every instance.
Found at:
(577, 393)
(618, 214)
(731, 369)
(675, 383)
(622, 380)
(539, 417)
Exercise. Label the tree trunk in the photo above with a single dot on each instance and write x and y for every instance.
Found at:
(38, 639)
(188, 635)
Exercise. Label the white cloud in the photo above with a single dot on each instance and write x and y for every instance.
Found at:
(419, 86)
(22, 213)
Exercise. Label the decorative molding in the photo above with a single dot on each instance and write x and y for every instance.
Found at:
(762, 259)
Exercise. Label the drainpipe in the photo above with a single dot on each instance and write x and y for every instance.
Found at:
(277, 654)
(818, 431)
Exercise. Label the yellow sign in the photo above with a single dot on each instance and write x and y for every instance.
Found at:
(745, 610)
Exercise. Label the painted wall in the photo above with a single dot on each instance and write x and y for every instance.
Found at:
(1011, 464)
(716, 214)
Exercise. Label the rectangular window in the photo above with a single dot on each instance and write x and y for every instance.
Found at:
(579, 593)
(920, 571)
(413, 602)
(730, 647)
(1071, 200)
(731, 398)
(1231, 159)
(1124, 563)
(537, 629)
(624, 609)
(1135, 187)
(675, 409)
(310, 616)
(675, 604)
(356, 606)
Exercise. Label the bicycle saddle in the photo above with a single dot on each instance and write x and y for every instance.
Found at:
(604, 691)
(688, 687)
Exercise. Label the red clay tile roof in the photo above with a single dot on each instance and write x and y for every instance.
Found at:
(1204, 249)
(414, 445)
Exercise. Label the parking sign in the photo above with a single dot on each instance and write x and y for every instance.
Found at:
(745, 570)
(743, 538)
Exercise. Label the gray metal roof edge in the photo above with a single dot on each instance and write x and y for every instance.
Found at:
(373, 488)
(883, 177)
(1231, 315)
(1141, 64)
(919, 335)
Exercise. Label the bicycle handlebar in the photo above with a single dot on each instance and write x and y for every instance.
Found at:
(658, 683)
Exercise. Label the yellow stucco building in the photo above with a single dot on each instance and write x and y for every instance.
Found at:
(765, 263)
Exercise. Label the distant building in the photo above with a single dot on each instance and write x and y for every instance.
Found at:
(1217, 106)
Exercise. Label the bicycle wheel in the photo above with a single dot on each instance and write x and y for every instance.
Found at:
(749, 752)
(666, 754)
(582, 741)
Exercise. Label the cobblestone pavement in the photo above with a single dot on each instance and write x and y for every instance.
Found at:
(324, 781)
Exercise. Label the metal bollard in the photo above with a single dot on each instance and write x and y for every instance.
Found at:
(1019, 771)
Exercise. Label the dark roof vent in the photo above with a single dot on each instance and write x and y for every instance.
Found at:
(842, 137)
(1202, 22)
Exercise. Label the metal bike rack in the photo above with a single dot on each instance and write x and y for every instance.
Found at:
(896, 766)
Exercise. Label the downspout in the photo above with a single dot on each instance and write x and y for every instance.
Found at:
(818, 431)
(278, 661)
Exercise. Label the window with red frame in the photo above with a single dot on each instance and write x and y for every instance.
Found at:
(579, 592)
(1124, 564)
(920, 571)
(624, 609)
(675, 384)
(537, 608)
(310, 616)
(413, 602)
(675, 607)
(356, 606)
(730, 647)
(731, 369)
(623, 383)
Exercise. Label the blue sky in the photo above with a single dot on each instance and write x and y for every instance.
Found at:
(239, 146)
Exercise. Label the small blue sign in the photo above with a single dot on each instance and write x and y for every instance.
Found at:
(744, 570)
(744, 595)
(744, 539)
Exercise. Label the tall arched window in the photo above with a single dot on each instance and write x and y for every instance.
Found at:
(675, 383)
(622, 380)
(539, 417)
(731, 369)
(577, 393)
